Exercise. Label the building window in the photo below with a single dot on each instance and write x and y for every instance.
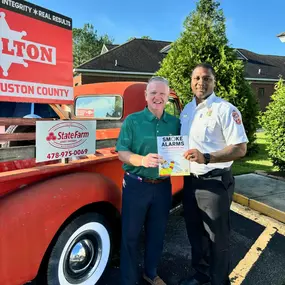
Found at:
(260, 92)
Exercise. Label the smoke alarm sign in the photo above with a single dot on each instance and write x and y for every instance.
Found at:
(35, 54)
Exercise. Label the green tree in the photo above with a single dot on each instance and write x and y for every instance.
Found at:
(273, 122)
(204, 40)
(146, 37)
(87, 43)
(143, 37)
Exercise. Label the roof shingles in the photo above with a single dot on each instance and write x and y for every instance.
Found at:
(110, 46)
(137, 55)
(263, 66)
(144, 56)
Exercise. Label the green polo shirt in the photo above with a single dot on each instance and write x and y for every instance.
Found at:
(139, 134)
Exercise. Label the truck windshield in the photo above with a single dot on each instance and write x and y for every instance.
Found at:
(99, 106)
(20, 110)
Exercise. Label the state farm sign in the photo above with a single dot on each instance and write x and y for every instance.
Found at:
(35, 54)
(62, 139)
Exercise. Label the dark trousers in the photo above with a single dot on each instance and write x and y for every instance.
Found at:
(207, 208)
(144, 204)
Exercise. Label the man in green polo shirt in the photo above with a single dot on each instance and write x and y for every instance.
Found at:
(146, 196)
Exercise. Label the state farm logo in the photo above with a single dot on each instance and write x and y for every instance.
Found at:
(51, 137)
(67, 135)
(13, 49)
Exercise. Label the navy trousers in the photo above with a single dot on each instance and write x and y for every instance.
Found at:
(206, 211)
(144, 204)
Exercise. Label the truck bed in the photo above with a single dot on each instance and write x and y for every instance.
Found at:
(13, 180)
(18, 166)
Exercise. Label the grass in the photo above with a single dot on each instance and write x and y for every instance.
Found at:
(257, 161)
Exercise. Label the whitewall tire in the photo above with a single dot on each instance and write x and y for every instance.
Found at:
(81, 252)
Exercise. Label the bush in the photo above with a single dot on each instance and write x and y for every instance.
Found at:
(273, 122)
(204, 40)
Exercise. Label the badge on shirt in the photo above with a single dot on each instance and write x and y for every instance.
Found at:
(236, 117)
(209, 112)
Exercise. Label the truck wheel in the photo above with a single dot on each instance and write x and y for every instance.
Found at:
(81, 252)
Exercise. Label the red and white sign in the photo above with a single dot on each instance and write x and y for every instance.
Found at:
(85, 112)
(35, 54)
(62, 139)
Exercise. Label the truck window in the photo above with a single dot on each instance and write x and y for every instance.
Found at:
(14, 110)
(172, 108)
(99, 106)
(45, 111)
(20, 110)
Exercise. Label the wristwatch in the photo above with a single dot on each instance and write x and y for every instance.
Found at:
(207, 157)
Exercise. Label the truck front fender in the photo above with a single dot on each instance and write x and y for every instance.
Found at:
(31, 217)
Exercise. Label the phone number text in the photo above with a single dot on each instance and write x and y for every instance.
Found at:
(54, 155)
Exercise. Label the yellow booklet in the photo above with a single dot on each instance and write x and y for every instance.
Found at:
(172, 148)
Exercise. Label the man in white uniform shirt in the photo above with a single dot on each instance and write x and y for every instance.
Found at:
(216, 138)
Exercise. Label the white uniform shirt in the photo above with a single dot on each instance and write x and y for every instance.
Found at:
(211, 126)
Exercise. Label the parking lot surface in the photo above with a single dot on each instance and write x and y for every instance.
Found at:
(257, 251)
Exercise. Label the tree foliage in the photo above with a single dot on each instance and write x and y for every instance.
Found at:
(143, 37)
(273, 122)
(204, 40)
(87, 43)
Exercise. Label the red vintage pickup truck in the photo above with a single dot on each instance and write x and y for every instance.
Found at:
(59, 221)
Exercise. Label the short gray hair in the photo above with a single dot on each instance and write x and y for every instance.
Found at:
(158, 79)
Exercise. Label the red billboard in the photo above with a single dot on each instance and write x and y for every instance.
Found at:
(35, 54)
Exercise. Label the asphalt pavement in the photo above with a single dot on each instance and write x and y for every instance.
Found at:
(176, 260)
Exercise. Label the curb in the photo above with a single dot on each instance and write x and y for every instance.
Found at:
(260, 207)
(264, 173)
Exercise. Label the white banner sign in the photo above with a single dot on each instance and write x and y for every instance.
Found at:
(62, 139)
(24, 90)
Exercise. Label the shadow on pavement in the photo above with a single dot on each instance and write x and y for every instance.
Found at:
(176, 260)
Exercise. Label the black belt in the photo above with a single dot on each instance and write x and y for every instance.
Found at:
(213, 173)
(147, 180)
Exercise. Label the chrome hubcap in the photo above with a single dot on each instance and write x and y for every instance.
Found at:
(82, 258)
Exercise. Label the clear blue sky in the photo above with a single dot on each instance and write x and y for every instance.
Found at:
(251, 24)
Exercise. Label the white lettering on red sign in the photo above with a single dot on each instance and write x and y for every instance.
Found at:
(13, 49)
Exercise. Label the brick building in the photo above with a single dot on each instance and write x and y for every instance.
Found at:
(139, 59)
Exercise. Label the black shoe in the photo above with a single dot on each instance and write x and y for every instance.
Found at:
(193, 281)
